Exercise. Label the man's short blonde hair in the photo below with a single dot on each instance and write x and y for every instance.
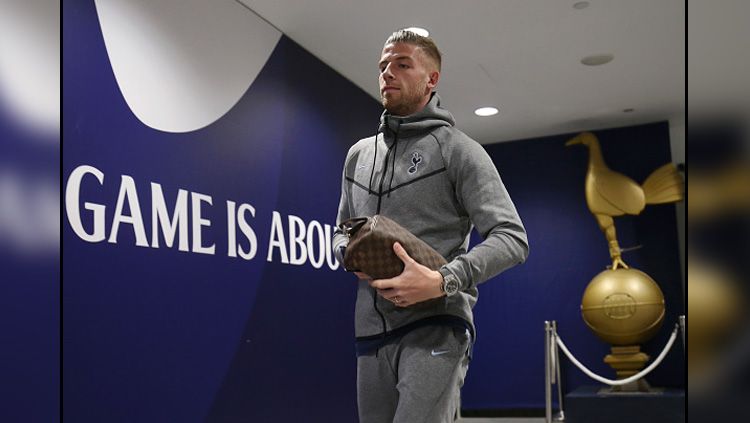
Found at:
(425, 43)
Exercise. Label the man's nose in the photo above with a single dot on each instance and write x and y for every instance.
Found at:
(387, 74)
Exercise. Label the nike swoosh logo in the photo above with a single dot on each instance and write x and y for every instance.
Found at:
(361, 167)
(437, 353)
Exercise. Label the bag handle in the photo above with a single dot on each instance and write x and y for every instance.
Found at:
(351, 226)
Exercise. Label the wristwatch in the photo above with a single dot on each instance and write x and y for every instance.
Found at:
(450, 283)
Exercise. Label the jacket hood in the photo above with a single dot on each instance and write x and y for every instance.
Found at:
(430, 117)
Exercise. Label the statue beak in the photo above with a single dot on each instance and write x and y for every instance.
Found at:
(579, 139)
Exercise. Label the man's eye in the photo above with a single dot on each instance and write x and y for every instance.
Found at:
(403, 66)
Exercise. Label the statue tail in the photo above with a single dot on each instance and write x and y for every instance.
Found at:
(664, 185)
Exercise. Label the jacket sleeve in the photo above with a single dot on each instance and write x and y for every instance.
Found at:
(340, 240)
(482, 194)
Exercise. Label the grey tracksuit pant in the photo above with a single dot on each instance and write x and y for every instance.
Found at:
(415, 379)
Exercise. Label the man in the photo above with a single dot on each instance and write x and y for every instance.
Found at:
(415, 331)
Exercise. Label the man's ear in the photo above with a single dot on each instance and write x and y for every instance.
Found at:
(433, 81)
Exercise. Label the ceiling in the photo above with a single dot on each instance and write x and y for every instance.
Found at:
(520, 56)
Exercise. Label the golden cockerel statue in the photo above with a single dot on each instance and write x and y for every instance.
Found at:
(610, 194)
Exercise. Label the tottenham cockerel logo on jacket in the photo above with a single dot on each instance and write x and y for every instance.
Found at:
(416, 160)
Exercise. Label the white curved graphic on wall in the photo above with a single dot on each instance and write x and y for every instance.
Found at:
(30, 64)
(182, 64)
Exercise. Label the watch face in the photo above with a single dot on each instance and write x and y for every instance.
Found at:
(451, 285)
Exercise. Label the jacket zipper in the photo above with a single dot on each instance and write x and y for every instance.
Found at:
(380, 198)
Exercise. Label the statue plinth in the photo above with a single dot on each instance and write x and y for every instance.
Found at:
(627, 361)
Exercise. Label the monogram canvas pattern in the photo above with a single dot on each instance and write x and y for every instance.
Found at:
(370, 248)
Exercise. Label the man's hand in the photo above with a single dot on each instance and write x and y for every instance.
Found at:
(415, 284)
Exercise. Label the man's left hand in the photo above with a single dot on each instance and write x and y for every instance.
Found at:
(415, 284)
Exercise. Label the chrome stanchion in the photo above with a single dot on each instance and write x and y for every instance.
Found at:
(547, 371)
(681, 322)
(561, 415)
(682, 329)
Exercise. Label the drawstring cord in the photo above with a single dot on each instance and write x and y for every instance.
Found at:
(393, 164)
(374, 158)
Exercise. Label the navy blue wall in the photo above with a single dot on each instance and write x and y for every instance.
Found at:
(30, 263)
(158, 334)
(165, 335)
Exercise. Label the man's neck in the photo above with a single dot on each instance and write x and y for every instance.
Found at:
(416, 110)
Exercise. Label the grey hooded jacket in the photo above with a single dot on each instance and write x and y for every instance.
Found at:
(431, 178)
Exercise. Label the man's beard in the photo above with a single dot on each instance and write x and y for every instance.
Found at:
(407, 102)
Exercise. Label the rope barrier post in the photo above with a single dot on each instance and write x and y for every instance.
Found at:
(682, 329)
(561, 415)
(547, 371)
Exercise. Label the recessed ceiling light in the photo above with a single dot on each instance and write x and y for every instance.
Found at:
(485, 111)
(597, 59)
(419, 31)
(581, 5)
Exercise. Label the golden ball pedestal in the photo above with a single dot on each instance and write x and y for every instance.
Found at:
(625, 308)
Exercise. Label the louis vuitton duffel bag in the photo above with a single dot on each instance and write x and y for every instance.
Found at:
(370, 248)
